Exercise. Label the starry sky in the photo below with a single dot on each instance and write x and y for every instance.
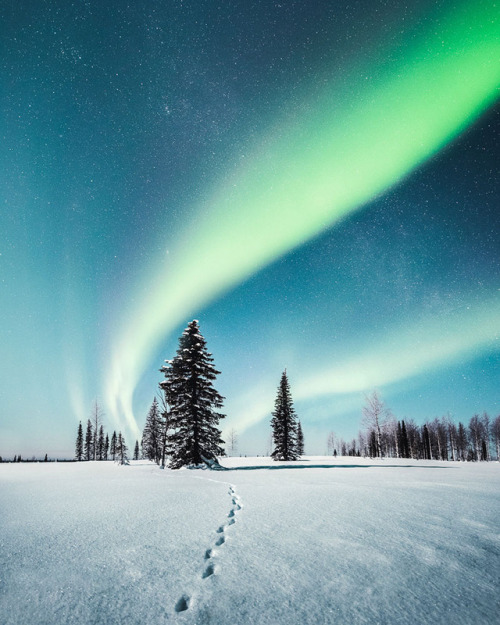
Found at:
(315, 182)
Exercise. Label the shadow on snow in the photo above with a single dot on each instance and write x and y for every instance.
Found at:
(331, 466)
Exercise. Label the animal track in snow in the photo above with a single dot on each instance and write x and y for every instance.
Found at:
(210, 570)
(184, 602)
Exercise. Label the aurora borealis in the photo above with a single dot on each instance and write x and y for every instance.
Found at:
(318, 186)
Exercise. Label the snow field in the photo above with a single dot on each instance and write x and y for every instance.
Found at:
(317, 541)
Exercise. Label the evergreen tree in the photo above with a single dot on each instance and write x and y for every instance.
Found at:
(100, 444)
(121, 450)
(284, 424)
(106, 448)
(164, 428)
(151, 437)
(136, 450)
(79, 443)
(193, 401)
(89, 451)
(405, 445)
(300, 440)
(112, 447)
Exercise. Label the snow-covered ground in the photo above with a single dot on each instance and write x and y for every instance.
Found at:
(319, 541)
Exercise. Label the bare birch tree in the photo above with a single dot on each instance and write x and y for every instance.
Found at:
(374, 413)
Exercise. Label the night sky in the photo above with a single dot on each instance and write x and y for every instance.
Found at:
(315, 182)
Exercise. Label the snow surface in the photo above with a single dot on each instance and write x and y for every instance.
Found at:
(342, 541)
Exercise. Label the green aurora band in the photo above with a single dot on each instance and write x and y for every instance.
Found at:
(353, 142)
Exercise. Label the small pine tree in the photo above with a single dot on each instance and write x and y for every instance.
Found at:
(136, 450)
(112, 447)
(100, 444)
(300, 440)
(106, 448)
(284, 423)
(89, 449)
(79, 443)
(193, 401)
(151, 439)
(121, 450)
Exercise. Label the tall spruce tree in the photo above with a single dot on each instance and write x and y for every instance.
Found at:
(193, 419)
(112, 447)
(100, 444)
(300, 440)
(89, 439)
(151, 436)
(164, 428)
(284, 423)
(79, 443)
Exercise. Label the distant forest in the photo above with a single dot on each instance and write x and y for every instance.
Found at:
(181, 427)
(439, 439)
(383, 436)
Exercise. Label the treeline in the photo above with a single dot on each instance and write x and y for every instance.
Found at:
(439, 439)
(96, 444)
(19, 458)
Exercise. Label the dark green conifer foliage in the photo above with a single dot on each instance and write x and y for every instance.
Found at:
(300, 440)
(100, 444)
(112, 447)
(284, 424)
(89, 451)
(121, 450)
(106, 448)
(193, 416)
(151, 438)
(136, 450)
(79, 443)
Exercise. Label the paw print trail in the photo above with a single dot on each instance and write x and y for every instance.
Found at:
(211, 554)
